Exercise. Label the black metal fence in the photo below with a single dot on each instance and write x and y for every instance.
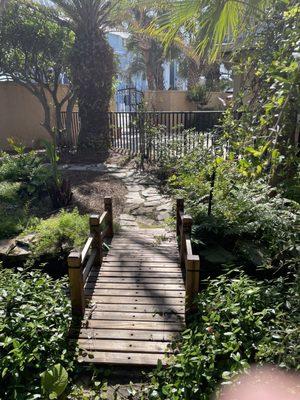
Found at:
(70, 139)
(152, 134)
(149, 134)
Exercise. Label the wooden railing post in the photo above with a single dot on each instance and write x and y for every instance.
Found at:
(179, 209)
(110, 222)
(192, 280)
(186, 231)
(96, 233)
(76, 283)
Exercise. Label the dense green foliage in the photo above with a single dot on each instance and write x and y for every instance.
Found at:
(242, 195)
(198, 94)
(26, 168)
(250, 223)
(34, 323)
(239, 321)
(23, 181)
(60, 233)
(265, 132)
(34, 53)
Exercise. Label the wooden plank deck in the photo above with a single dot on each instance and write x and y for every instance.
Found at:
(136, 302)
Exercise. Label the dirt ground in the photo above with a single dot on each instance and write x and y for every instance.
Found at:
(89, 189)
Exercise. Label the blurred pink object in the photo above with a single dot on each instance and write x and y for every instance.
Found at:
(263, 383)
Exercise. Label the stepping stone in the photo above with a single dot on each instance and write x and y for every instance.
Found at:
(129, 208)
(154, 198)
(126, 217)
(131, 202)
(162, 216)
(134, 188)
(151, 203)
(165, 207)
(118, 175)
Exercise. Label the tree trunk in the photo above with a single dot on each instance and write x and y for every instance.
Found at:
(160, 85)
(194, 73)
(149, 70)
(69, 124)
(41, 95)
(212, 76)
(92, 73)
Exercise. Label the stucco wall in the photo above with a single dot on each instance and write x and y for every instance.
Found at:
(175, 100)
(21, 115)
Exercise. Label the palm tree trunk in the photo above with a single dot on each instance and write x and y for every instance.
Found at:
(194, 73)
(160, 85)
(149, 70)
(92, 73)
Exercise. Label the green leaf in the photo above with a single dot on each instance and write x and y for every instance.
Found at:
(54, 381)
(217, 254)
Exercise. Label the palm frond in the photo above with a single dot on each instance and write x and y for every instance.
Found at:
(212, 22)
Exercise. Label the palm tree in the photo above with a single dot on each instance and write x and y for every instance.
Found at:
(212, 23)
(92, 70)
(148, 53)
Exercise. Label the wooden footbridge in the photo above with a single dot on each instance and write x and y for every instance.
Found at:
(133, 299)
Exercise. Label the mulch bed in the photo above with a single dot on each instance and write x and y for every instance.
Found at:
(89, 189)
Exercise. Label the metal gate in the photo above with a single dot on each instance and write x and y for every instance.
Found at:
(129, 99)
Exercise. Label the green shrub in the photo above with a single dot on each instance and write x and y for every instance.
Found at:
(69, 228)
(239, 321)
(11, 224)
(9, 192)
(14, 217)
(27, 168)
(34, 323)
(198, 94)
(250, 221)
(20, 167)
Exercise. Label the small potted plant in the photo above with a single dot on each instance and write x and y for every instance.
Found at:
(199, 95)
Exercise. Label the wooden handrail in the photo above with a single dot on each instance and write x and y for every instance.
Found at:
(189, 261)
(81, 263)
(103, 218)
(86, 248)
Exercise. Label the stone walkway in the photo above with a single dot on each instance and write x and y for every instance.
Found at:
(144, 207)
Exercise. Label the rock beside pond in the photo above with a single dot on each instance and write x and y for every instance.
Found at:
(6, 246)
(16, 250)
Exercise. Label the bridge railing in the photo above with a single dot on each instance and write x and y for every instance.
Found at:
(189, 261)
(80, 263)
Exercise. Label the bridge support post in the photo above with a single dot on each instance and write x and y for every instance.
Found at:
(192, 280)
(179, 210)
(186, 230)
(95, 231)
(76, 284)
(110, 222)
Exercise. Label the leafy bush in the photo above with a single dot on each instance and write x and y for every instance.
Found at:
(59, 188)
(24, 167)
(264, 133)
(198, 94)
(9, 192)
(66, 228)
(12, 223)
(14, 212)
(239, 321)
(34, 323)
(251, 223)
